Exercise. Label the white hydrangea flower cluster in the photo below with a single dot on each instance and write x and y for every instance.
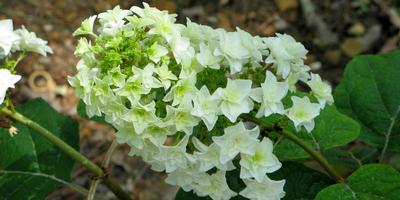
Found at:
(175, 94)
(11, 41)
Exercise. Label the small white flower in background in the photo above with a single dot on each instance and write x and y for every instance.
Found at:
(7, 36)
(270, 96)
(303, 113)
(12, 131)
(30, 42)
(321, 90)
(263, 161)
(206, 107)
(284, 51)
(216, 187)
(267, 189)
(235, 98)
(7, 80)
(86, 26)
(237, 139)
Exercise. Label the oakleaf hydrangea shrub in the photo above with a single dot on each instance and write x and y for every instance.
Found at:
(176, 95)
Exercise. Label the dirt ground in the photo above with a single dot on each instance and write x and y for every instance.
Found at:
(332, 30)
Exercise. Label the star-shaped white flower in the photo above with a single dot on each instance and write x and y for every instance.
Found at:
(183, 90)
(7, 80)
(165, 76)
(235, 98)
(206, 58)
(208, 157)
(86, 26)
(181, 117)
(215, 186)
(30, 42)
(206, 107)
(174, 157)
(303, 113)
(237, 139)
(270, 96)
(267, 189)
(7, 36)
(321, 90)
(141, 116)
(146, 76)
(157, 51)
(263, 161)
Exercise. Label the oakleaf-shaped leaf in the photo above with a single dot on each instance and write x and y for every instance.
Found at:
(370, 94)
(370, 182)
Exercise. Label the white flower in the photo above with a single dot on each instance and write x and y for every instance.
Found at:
(181, 117)
(321, 90)
(30, 42)
(7, 36)
(174, 157)
(254, 45)
(165, 76)
(157, 51)
(206, 58)
(206, 107)
(237, 139)
(267, 189)
(230, 46)
(133, 89)
(183, 90)
(284, 51)
(146, 76)
(303, 112)
(160, 22)
(7, 80)
(198, 33)
(263, 161)
(270, 96)
(235, 98)
(113, 20)
(208, 157)
(141, 116)
(186, 178)
(86, 26)
(215, 186)
(182, 50)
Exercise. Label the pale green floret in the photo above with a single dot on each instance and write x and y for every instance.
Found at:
(181, 118)
(270, 96)
(303, 112)
(235, 98)
(321, 90)
(263, 161)
(237, 139)
(183, 90)
(86, 27)
(206, 107)
(215, 186)
(267, 189)
(165, 76)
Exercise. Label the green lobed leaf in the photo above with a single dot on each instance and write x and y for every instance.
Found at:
(370, 182)
(332, 129)
(301, 183)
(370, 94)
(27, 154)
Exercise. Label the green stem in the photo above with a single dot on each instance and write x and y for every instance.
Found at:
(291, 136)
(115, 188)
(104, 164)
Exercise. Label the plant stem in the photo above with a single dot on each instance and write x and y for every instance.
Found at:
(114, 187)
(104, 164)
(291, 136)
